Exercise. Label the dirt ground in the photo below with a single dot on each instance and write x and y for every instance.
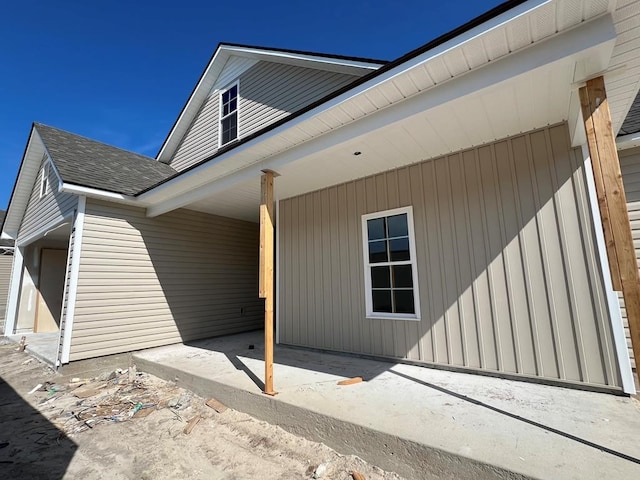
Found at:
(131, 425)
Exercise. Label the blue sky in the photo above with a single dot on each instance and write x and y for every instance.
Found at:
(120, 71)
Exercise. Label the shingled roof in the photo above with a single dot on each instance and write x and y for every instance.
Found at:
(631, 123)
(85, 162)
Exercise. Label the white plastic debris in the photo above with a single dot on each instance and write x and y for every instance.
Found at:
(320, 470)
(35, 389)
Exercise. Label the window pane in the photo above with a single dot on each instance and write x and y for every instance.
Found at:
(397, 225)
(404, 301)
(233, 105)
(375, 228)
(225, 109)
(233, 92)
(380, 277)
(225, 97)
(378, 252)
(399, 249)
(382, 301)
(402, 276)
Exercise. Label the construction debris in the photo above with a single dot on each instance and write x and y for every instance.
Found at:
(191, 424)
(357, 475)
(216, 405)
(34, 389)
(23, 344)
(350, 381)
(320, 471)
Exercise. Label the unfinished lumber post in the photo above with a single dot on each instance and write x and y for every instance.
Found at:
(266, 273)
(604, 156)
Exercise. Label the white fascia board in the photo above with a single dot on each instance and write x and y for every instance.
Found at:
(625, 142)
(307, 60)
(563, 47)
(97, 193)
(27, 174)
(204, 85)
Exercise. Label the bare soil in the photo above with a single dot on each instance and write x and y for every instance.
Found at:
(131, 425)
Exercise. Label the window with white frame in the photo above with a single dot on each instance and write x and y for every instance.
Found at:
(44, 180)
(391, 280)
(229, 115)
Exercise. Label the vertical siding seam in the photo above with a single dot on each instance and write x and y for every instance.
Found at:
(456, 263)
(428, 269)
(588, 246)
(566, 263)
(524, 259)
(548, 284)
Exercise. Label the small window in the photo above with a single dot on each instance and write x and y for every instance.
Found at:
(44, 180)
(229, 115)
(390, 265)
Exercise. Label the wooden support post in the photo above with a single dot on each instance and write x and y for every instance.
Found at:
(266, 274)
(604, 156)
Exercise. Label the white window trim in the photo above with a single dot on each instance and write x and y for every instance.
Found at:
(220, 93)
(45, 184)
(414, 269)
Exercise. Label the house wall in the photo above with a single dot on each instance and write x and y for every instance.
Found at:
(46, 210)
(146, 282)
(507, 270)
(630, 167)
(268, 92)
(6, 262)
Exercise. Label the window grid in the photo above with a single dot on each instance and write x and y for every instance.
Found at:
(390, 270)
(229, 115)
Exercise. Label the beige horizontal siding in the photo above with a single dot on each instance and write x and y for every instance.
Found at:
(630, 167)
(268, 92)
(46, 210)
(146, 282)
(507, 268)
(6, 262)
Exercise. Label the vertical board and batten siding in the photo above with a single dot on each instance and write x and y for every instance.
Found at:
(146, 282)
(268, 92)
(630, 167)
(507, 269)
(6, 262)
(46, 210)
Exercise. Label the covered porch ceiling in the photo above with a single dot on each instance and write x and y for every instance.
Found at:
(518, 92)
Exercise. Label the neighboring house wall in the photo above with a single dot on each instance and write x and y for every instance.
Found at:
(6, 262)
(46, 210)
(630, 166)
(146, 282)
(268, 92)
(508, 275)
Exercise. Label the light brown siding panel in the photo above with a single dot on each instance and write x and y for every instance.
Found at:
(507, 269)
(6, 263)
(43, 211)
(630, 167)
(268, 92)
(147, 282)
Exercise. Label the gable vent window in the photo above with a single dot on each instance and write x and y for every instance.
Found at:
(44, 181)
(229, 115)
(391, 281)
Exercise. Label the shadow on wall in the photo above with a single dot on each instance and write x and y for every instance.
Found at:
(508, 277)
(207, 268)
(30, 446)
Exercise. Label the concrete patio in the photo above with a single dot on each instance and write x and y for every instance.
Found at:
(43, 346)
(423, 423)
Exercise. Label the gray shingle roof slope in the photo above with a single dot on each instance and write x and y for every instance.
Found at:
(86, 162)
(631, 122)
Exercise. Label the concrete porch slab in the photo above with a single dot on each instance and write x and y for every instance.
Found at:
(43, 346)
(422, 423)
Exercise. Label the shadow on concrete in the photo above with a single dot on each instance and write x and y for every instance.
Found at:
(31, 447)
(547, 428)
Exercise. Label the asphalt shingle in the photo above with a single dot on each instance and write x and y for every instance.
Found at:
(86, 162)
(631, 123)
